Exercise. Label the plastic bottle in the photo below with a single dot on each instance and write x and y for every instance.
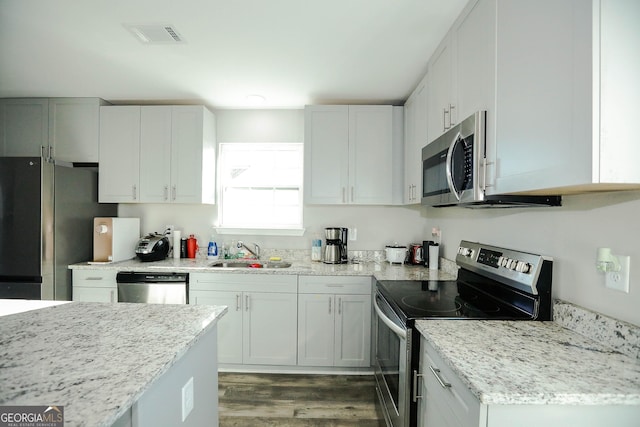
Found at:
(316, 248)
(212, 251)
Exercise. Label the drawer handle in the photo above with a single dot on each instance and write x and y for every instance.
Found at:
(436, 372)
(415, 394)
(94, 278)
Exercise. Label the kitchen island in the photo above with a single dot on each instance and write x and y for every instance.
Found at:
(113, 364)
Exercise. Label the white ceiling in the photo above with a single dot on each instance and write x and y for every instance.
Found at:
(292, 52)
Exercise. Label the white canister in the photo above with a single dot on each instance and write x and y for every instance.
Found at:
(434, 257)
(176, 244)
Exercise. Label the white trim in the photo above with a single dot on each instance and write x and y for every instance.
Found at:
(262, 231)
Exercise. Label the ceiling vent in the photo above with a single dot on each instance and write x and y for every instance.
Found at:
(155, 34)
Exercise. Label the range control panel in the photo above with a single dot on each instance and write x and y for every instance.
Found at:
(517, 268)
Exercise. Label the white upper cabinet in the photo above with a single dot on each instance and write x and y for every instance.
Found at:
(415, 137)
(441, 105)
(74, 129)
(170, 153)
(24, 127)
(63, 129)
(119, 169)
(349, 154)
(560, 89)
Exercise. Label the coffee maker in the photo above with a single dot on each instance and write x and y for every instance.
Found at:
(335, 249)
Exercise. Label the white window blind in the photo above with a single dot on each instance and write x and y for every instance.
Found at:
(261, 185)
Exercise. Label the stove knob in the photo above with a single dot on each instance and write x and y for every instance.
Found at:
(502, 261)
(511, 265)
(523, 267)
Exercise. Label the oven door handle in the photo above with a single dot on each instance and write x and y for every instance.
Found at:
(395, 328)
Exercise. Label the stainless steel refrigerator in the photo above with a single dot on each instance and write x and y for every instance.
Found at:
(46, 223)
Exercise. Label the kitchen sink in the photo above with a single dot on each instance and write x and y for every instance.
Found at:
(250, 264)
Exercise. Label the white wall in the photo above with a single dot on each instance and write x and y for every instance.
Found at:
(570, 234)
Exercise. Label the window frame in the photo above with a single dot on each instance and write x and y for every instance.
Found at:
(257, 229)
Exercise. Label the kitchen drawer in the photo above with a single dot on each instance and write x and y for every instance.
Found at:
(334, 285)
(455, 403)
(95, 278)
(244, 282)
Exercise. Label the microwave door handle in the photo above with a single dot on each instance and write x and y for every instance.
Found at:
(449, 166)
(395, 328)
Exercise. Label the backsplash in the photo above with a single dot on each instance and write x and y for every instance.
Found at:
(616, 334)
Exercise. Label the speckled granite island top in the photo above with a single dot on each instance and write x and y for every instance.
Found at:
(520, 362)
(95, 359)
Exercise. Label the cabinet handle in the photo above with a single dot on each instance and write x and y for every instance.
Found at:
(330, 304)
(339, 306)
(112, 295)
(94, 278)
(451, 121)
(135, 192)
(173, 193)
(166, 192)
(444, 119)
(246, 303)
(414, 393)
(238, 302)
(436, 372)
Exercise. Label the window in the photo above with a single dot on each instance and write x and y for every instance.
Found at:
(261, 185)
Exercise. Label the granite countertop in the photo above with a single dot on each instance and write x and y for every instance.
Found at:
(539, 363)
(94, 359)
(381, 271)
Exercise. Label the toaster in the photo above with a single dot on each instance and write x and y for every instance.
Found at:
(153, 247)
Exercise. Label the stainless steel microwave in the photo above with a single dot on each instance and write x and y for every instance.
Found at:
(454, 170)
(453, 164)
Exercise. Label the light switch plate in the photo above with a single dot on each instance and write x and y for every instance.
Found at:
(619, 280)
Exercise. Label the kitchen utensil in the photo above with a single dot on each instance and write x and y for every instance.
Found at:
(396, 254)
(415, 253)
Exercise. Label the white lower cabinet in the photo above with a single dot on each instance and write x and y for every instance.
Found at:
(261, 323)
(334, 321)
(97, 285)
(445, 401)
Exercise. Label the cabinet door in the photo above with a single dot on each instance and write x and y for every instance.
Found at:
(440, 91)
(229, 326)
(269, 328)
(353, 331)
(155, 154)
(326, 153)
(415, 138)
(370, 154)
(24, 127)
(91, 294)
(119, 154)
(475, 73)
(187, 154)
(74, 129)
(316, 329)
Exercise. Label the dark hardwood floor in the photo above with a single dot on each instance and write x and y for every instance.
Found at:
(284, 400)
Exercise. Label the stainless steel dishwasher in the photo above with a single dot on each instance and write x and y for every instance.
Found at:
(153, 288)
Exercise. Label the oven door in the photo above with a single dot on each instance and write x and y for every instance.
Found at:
(393, 352)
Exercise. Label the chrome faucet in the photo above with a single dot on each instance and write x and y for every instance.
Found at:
(255, 252)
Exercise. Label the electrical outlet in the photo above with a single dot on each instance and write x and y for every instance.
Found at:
(187, 399)
(168, 229)
(353, 234)
(619, 280)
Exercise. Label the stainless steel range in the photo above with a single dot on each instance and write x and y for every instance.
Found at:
(493, 283)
